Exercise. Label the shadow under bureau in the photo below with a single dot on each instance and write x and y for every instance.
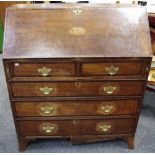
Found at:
(76, 71)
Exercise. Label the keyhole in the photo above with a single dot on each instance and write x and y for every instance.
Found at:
(77, 84)
(75, 122)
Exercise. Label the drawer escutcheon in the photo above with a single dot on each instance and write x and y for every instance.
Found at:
(109, 89)
(46, 90)
(112, 70)
(44, 71)
(77, 11)
(48, 128)
(107, 109)
(47, 109)
(104, 127)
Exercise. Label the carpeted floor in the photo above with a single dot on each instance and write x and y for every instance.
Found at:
(144, 140)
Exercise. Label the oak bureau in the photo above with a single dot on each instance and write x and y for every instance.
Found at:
(76, 71)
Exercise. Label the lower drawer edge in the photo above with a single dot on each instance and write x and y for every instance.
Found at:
(76, 127)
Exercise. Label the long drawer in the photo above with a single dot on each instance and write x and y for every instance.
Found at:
(77, 108)
(111, 88)
(76, 127)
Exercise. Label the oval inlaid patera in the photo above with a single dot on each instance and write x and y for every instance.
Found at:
(77, 31)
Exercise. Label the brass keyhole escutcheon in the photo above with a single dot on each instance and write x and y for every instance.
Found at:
(77, 11)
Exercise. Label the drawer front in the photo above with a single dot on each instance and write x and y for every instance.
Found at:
(46, 128)
(20, 89)
(114, 68)
(107, 126)
(71, 108)
(44, 69)
(76, 127)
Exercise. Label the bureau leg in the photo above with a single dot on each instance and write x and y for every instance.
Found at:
(130, 142)
(22, 144)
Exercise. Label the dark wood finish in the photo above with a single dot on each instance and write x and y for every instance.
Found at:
(76, 108)
(99, 39)
(85, 104)
(130, 142)
(31, 69)
(76, 127)
(77, 88)
(6, 4)
(23, 143)
(93, 69)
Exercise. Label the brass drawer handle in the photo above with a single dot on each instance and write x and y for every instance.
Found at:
(47, 109)
(107, 108)
(109, 89)
(46, 90)
(48, 129)
(44, 71)
(105, 127)
(112, 70)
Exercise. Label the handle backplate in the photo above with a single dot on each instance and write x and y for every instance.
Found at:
(48, 128)
(112, 70)
(109, 89)
(104, 127)
(44, 71)
(46, 90)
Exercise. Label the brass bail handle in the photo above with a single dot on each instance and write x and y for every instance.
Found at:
(46, 90)
(109, 89)
(44, 71)
(47, 109)
(105, 127)
(107, 108)
(112, 70)
(48, 129)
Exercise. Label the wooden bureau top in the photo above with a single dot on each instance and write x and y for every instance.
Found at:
(76, 30)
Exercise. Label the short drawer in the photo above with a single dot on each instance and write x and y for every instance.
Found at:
(113, 68)
(22, 89)
(54, 69)
(77, 108)
(76, 127)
